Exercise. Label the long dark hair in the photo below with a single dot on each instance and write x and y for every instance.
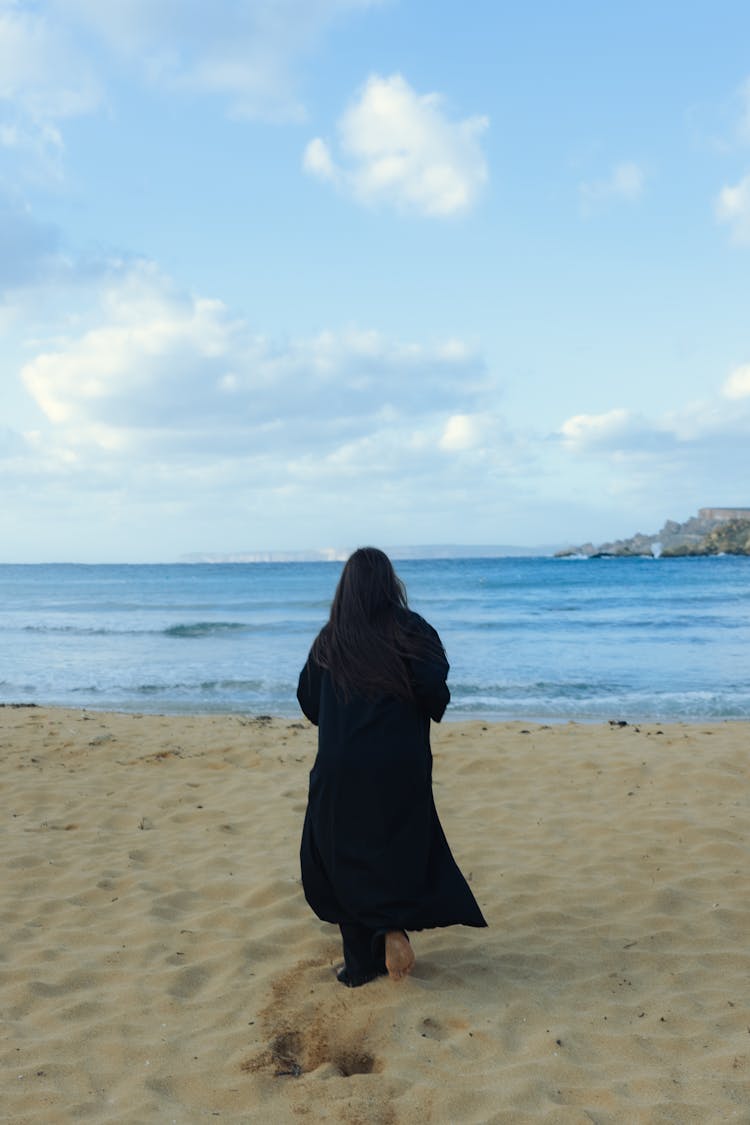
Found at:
(366, 643)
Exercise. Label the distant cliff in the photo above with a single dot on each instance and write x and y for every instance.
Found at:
(732, 537)
(711, 532)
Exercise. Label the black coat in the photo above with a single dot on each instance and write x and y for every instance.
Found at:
(373, 851)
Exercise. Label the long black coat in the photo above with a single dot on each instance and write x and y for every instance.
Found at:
(373, 851)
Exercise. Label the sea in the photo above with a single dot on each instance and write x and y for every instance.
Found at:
(538, 639)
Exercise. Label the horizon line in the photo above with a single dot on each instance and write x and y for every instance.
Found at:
(403, 553)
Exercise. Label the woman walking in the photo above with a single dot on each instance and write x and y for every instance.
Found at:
(374, 857)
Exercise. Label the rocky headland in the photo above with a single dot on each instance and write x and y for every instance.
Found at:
(714, 531)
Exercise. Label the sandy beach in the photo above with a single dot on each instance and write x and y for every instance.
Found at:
(159, 962)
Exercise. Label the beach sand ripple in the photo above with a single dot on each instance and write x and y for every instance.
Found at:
(159, 963)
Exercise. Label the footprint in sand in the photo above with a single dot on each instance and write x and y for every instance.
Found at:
(303, 1039)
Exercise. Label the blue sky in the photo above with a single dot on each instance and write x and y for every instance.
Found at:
(287, 274)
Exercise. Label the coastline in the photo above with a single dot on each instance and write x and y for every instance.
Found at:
(162, 963)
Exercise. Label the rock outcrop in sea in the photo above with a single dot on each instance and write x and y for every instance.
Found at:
(714, 531)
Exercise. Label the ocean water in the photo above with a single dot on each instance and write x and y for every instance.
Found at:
(529, 638)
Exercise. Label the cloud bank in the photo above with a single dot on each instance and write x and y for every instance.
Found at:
(164, 368)
(245, 52)
(160, 389)
(56, 59)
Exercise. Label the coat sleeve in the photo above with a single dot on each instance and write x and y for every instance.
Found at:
(429, 676)
(308, 690)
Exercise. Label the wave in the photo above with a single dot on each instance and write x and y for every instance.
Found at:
(594, 702)
(199, 629)
(85, 631)
(150, 688)
(543, 621)
(209, 629)
(578, 700)
(546, 689)
(194, 629)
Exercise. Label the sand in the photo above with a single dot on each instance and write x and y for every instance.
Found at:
(159, 963)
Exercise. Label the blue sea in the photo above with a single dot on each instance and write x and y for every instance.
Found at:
(527, 638)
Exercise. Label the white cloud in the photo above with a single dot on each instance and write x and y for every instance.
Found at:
(732, 204)
(733, 207)
(246, 52)
(399, 148)
(156, 397)
(711, 426)
(660, 465)
(317, 160)
(597, 431)
(625, 183)
(160, 366)
(737, 385)
(462, 431)
(723, 127)
(44, 79)
(40, 69)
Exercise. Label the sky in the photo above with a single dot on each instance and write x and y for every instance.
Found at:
(294, 274)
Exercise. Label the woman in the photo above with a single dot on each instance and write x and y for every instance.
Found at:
(374, 857)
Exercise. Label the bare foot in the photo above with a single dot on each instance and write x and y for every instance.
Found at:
(399, 955)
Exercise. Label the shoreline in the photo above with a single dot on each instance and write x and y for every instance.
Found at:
(161, 963)
(449, 719)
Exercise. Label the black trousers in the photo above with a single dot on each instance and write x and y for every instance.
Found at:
(364, 952)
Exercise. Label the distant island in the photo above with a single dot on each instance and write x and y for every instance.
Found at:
(714, 531)
(398, 554)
